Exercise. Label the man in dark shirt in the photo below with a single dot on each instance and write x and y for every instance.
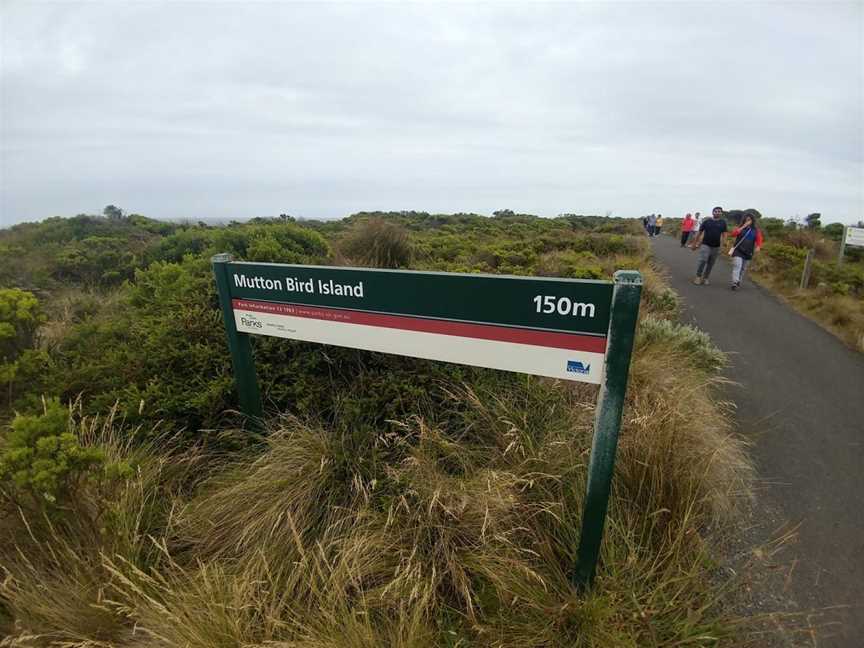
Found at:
(712, 234)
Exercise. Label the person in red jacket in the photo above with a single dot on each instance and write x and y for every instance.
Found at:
(748, 241)
(686, 227)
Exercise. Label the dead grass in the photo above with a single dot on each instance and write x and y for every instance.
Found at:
(842, 315)
(376, 243)
(54, 582)
(451, 528)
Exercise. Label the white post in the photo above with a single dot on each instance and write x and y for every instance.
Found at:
(842, 245)
(808, 262)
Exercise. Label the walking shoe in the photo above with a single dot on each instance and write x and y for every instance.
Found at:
(734, 286)
(698, 281)
(704, 282)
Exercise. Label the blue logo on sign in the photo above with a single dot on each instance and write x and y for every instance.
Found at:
(574, 366)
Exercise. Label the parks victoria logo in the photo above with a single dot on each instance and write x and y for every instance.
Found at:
(576, 366)
(250, 320)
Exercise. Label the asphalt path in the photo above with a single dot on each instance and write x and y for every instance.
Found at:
(800, 398)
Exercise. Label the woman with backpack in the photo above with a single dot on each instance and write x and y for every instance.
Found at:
(748, 241)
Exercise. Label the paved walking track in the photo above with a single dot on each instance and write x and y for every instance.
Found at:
(800, 400)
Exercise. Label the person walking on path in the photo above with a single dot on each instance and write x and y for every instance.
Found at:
(686, 228)
(658, 224)
(652, 222)
(697, 221)
(748, 241)
(712, 233)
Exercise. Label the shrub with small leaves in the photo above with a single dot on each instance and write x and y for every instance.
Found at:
(42, 459)
(20, 317)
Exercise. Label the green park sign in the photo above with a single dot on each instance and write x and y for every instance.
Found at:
(560, 328)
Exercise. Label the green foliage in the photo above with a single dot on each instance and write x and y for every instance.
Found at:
(846, 279)
(44, 460)
(664, 301)
(834, 231)
(96, 260)
(687, 342)
(158, 348)
(782, 252)
(156, 344)
(772, 227)
(26, 378)
(400, 503)
(161, 355)
(570, 264)
(20, 317)
(47, 254)
(113, 212)
(277, 242)
(787, 261)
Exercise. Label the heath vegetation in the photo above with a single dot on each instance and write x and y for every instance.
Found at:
(388, 501)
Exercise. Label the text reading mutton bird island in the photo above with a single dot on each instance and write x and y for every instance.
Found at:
(301, 286)
(545, 304)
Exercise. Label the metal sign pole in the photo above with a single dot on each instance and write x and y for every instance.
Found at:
(607, 423)
(245, 377)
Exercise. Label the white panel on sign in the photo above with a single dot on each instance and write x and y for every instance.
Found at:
(855, 236)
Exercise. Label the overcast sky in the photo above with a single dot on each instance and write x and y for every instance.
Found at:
(235, 110)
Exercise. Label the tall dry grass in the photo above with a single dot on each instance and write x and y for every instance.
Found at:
(53, 582)
(376, 243)
(455, 527)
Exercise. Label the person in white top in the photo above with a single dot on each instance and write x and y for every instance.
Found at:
(697, 220)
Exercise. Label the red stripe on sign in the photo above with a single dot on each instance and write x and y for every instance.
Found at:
(553, 339)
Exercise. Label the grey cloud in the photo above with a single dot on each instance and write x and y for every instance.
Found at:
(245, 109)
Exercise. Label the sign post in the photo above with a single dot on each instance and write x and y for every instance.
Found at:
(851, 236)
(245, 377)
(607, 422)
(569, 329)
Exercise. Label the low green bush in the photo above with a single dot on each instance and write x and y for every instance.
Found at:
(681, 339)
(278, 242)
(20, 318)
(570, 264)
(43, 461)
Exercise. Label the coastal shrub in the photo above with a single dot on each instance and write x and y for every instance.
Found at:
(657, 297)
(394, 501)
(277, 242)
(570, 264)
(20, 318)
(41, 460)
(682, 340)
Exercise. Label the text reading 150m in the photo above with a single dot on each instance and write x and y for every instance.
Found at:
(549, 304)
